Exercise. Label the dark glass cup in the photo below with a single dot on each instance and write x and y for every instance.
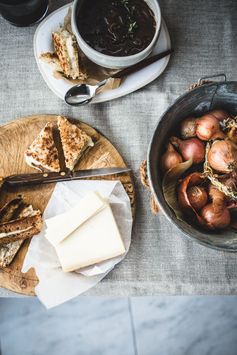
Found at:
(23, 12)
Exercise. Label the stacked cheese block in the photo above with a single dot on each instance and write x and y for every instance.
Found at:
(88, 235)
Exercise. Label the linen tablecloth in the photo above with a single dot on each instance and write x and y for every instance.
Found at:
(161, 260)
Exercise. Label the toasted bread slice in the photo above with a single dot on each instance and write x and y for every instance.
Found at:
(21, 228)
(8, 251)
(42, 154)
(15, 208)
(66, 48)
(52, 58)
(8, 211)
(74, 141)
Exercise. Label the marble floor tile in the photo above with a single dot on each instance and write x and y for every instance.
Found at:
(102, 326)
(85, 326)
(185, 325)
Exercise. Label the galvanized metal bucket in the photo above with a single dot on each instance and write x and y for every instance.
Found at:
(203, 97)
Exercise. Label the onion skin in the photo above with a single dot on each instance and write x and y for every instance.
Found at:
(230, 180)
(197, 197)
(188, 128)
(216, 214)
(170, 158)
(207, 127)
(218, 135)
(218, 199)
(222, 156)
(192, 179)
(214, 220)
(213, 215)
(220, 114)
(191, 148)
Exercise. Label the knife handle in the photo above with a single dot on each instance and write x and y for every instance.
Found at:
(36, 178)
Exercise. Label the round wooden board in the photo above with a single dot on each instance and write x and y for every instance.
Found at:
(15, 137)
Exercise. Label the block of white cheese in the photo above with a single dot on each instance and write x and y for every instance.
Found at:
(96, 238)
(60, 226)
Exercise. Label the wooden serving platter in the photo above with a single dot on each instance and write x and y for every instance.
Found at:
(15, 137)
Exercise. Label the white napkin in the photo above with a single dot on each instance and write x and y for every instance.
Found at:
(55, 286)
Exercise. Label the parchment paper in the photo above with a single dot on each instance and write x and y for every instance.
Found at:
(56, 286)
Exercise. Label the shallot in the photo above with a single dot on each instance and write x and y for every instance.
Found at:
(218, 199)
(188, 128)
(219, 114)
(215, 220)
(191, 148)
(222, 156)
(170, 158)
(197, 197)
(207, 127)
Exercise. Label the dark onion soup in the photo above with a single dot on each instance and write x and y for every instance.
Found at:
(116, 27)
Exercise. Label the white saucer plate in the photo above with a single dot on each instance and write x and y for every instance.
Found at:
(43, 43)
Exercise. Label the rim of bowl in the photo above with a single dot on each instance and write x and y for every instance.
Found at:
(137, 55)
(162, 207)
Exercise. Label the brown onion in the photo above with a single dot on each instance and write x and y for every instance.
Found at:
(230, 180)
(218, 199)
(197, 197)
(193, 179)
(191, 148)
(170, 158)
(222, 156)
(188, 128)
(207, 127)
(214, 220)
(218, 135)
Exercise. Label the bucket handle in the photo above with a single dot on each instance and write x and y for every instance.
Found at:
(205, 80)
(145, 182)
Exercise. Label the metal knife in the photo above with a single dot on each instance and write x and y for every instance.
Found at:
(46, 178)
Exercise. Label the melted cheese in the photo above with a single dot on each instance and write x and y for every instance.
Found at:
(32, 162)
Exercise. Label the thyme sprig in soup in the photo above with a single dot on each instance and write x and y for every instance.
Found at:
(116, 27)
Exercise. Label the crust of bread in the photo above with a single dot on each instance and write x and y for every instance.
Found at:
(74, 141)
(17, 207)
(52, 58)
(8, 252)
(42, 154)
(68, 57)
(29, 226)
(8, 210)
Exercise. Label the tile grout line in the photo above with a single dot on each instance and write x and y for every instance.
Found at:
(132, 326)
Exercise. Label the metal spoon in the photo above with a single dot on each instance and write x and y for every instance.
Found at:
(82, 94)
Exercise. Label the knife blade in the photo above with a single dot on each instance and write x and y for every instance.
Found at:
(19, 180)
